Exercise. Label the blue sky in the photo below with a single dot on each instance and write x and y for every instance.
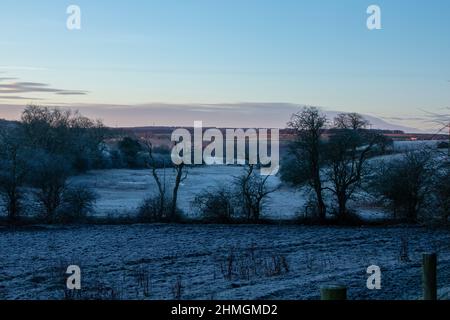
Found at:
(207, 53)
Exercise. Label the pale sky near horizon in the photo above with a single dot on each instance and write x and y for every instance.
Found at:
(227, 53)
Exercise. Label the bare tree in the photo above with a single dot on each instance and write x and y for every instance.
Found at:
(347, 153)
(165, 203)
(254, 191)
(13, 170)
(406, 182)
(160, 183)
(49, 176)
(441, 190)
(353, 121)
(180, 176)
(65, 133)
(309, 125)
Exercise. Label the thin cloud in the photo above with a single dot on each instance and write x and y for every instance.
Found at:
(18, 88)
(72, 93)
(405, 118)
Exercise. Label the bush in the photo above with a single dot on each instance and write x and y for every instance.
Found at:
(64, 133)
(130, 148)
(441, 190)
(443, 145)
(406, 183)
(216, 205)
(77, 203)
(49, 174)
(155, 209)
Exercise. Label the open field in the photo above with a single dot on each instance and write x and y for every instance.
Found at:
(196, 261)
(148, 261)
(122, 191)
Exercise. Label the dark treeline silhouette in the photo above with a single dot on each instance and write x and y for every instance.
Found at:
(41, 152)
(337, 160)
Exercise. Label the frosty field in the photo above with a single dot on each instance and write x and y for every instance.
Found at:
(197, 261)
(122, 191)
(193, 261)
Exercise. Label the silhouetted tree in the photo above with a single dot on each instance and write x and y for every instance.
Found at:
(353, 121)
(441, 190)
(309, 125)
(167, 204)
(130, 149)
(406, 182)
(65, 133)
(346, 156)
(48, 175)
(13, 170)
(254, 190)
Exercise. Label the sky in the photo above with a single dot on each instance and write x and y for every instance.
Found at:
(214, 59)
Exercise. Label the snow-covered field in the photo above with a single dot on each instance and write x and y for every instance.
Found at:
(122, 191)
(196, 261)
(267, 262)
(400, 146)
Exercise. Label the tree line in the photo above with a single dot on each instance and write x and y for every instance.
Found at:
(336, 161)
(40, 152)
(347, 163)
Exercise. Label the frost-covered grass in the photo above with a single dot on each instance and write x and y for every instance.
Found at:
(157, 261)
(122, 191)
(401, 146)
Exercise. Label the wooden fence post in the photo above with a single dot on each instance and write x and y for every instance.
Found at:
(429, 278)
(333, 292)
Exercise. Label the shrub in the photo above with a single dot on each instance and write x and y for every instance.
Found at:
(246, 264)
(443, 145)
(130, 148)
(78, 202)
(157, 209)
(406, 182)
(217, 205)
(441, 190)
(49, 174)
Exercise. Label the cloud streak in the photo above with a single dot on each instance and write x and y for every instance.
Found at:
(15, 90)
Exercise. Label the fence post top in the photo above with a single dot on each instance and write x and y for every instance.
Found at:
(429, 254)
(334, 286)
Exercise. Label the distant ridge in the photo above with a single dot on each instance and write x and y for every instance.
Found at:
(223, 115)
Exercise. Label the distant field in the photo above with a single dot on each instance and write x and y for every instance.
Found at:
(122, 191)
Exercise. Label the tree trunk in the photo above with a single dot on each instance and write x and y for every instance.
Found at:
(342, 203)
(178, 179)
(320, 203)
(318, 189)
